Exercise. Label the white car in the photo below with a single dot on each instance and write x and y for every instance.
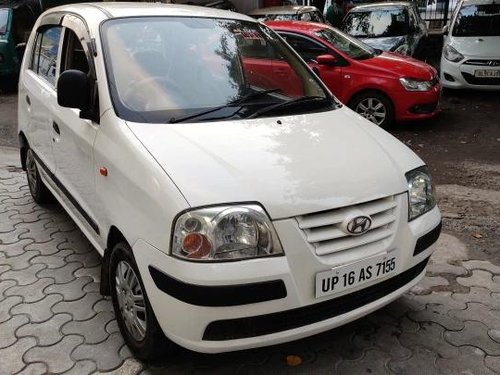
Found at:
(471, 50)
(235, 202)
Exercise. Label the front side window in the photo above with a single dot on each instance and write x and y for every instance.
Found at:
(478, 20)
(385, 22)
(4, 19)
(163, 69)
(279, 17)
(306, 48)
(46, 51)
(352, 47)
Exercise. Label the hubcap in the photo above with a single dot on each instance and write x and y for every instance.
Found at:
(372, 109)
(31, 172)
(131, 300)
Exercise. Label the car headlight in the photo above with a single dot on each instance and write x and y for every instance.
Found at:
(225, 233)
(411, 84)
(420, 192)
(452, 54)
(402, 49)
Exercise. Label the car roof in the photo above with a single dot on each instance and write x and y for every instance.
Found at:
(138, 9)
(285, 9)
(299, 26)
(389, 4)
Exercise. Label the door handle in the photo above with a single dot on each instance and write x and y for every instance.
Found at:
(28, 100)
(56, 127)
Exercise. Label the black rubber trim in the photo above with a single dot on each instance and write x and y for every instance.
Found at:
(427, 240)
(232, 329)
(65, 191)
(225, 295)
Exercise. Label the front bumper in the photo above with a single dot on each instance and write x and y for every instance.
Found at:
(417, 105)
(461, 75)
(219, 327)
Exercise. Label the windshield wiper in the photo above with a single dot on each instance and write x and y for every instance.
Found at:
(233, 103)
(300, 99)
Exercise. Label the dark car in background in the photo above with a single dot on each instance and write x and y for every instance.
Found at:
(391, 26)
(288, 13)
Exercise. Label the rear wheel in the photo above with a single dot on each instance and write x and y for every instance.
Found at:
(134, 313)
(374, 106)
(38, 190)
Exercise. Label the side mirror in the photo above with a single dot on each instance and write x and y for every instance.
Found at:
(445, 30)
(73, 90)
(327, 60)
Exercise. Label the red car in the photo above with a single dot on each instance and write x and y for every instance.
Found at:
(382, 86)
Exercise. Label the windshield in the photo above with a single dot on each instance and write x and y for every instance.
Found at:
(163, 69)
(478, 20)
(377, 23)
(350, 46)
(4, 18)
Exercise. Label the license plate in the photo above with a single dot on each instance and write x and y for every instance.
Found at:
(342, 278)
(487, 73)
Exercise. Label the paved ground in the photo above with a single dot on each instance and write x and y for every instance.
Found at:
(53, 320)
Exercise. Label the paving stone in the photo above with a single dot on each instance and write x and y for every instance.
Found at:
(88, 260)
(12, 236)
(4, 285)
(382, 338)
(480, 313)
(112, 326)
(37, 232)
(11, 358)
(62, 275)
(470, 361)
(30, 293)
(47, 248)
(373, 362)
(80, 309)
(93, 330)
(4, 268)
(130, 367)
(48, 332)
(482, 265)
(477, 294)
(57, 357)
(94, 272)
(14, 249)
(125, 352)
(52, 261)
(38, 311)
(474, 334)
(92, 288)
(422, 361)
(34, 369)
(26, 276)
(104, 305)
(434, 313)
(425, 286)
(441, 299)
(82, 368)
(21, 261)
(430, 337)
(105, 354)
(64, 225)
(25, 209)
(441, 268)
(493, 363)
(70, 291)
(495, 335)
(8, 330)
(482, 279)
(7, 304)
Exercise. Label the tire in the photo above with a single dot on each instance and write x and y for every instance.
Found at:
(136, 319)
(375, 107)
(38, 190)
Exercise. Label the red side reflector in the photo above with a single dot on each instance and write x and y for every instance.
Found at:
(103, 171)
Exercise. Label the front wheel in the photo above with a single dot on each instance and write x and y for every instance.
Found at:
(134, 313)
(374, 106)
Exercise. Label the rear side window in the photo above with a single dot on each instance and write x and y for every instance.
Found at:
(44, 61)
(4, 19)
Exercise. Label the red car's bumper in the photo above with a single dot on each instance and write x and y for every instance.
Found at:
(413, 105)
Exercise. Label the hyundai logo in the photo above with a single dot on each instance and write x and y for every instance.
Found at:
(359, 225)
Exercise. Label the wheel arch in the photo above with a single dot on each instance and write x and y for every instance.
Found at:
(24, 145)
(368, 89)
(115, 236)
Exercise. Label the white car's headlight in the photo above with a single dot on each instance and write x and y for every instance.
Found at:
(403, 49)
(452, 54)
(225, 233)
(420, 192)
(411, 84)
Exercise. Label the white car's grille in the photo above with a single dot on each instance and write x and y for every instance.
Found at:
(323, 229)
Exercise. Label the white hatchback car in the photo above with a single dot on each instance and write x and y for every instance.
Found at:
(471, 49)
(235, 202)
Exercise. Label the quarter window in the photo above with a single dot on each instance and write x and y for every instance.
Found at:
(45, 55)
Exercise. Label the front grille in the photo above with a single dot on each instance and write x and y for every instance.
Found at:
(323, 229)
(232, 329)
(478, 62)
(480, 80)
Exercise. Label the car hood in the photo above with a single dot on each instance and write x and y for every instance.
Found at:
(298, 165)
(403, 66)
(483, 46)
(385, 44)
